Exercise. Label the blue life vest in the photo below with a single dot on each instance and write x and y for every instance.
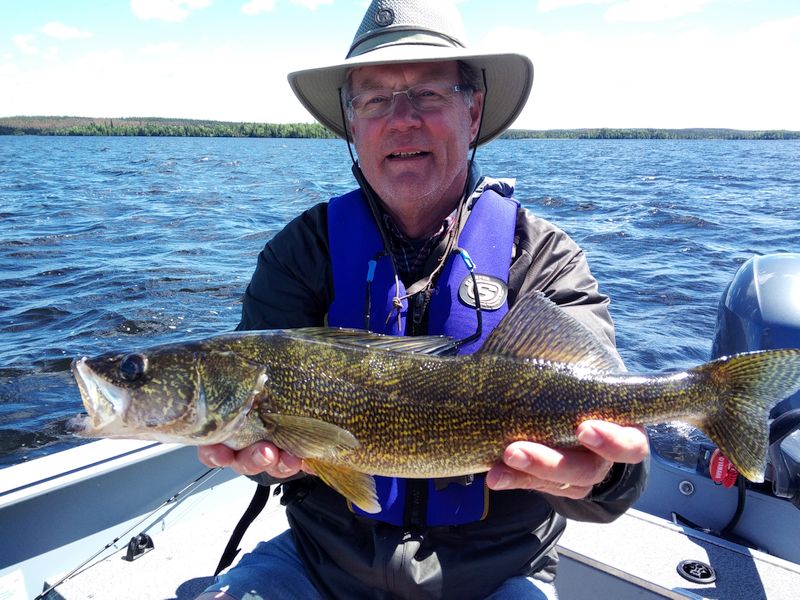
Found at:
(359, 260)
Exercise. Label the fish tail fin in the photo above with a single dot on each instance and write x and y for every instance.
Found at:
(749, 385)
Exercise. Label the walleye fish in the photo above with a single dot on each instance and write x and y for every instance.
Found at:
(355, 404)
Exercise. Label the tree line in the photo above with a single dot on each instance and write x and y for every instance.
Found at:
(201, 128)
(157, 127)
(604, 133)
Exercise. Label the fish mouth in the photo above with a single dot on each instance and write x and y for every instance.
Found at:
(103, 401)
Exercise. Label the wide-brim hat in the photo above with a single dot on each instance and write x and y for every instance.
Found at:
(403, 31)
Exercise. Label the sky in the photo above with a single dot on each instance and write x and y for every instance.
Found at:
(597, 63)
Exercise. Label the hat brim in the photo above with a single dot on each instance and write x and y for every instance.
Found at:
(509, 78)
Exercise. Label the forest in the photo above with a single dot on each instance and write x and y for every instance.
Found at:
(200, 128)
(157, 127)
(652, 134)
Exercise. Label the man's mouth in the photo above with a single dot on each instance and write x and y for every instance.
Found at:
(406, 155)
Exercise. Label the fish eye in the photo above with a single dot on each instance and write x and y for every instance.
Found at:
(132, 367)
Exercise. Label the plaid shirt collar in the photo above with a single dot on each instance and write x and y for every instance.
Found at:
(410, 255)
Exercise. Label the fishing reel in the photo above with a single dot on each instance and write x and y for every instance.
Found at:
(760, 310)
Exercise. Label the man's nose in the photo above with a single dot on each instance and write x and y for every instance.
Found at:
(403, 109)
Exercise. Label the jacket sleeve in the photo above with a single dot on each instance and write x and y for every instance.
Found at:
(292, 283)
(291, 286)
(548, 260)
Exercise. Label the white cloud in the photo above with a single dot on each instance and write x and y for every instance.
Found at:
(206, 83)
(548, 5)
(160, 49)
(255, 7)
(100, 63)
(698, 79)
(312, 4)
(7, 70)
(703, 78)
(785, 29)
(63, 32)
(24, 44)
(166, 10)
(632, 10)
(653, 10)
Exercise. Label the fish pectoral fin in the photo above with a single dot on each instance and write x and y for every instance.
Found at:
(307, 437)
(357, 487)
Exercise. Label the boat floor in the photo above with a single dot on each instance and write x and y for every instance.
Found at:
(60, 514)
(638, 555)
(634, 557)
(182, 562)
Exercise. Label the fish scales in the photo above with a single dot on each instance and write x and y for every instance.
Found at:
(384, 401)
(468, 418)
(354, 405)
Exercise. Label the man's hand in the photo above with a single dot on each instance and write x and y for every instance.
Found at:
(261, 457)
(572, 472)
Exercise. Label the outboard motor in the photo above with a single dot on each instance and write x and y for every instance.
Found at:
(760, 310)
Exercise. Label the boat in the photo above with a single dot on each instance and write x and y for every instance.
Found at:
(129, 519)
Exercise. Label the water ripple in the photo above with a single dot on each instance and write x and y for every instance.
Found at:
(116, 243)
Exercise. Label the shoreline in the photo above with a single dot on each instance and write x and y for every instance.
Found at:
(168, 127)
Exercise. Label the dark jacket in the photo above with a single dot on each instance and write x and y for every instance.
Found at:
(349, 556)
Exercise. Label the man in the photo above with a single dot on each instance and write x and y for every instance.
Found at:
(414, 102)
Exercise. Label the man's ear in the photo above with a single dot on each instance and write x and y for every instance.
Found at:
(475, 113)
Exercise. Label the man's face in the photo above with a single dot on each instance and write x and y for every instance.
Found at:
(412, 156)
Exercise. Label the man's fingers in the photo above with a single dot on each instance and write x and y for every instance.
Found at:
(261, 457)
(216, 455)
(578, 467)
(265, 457)
(501, 477)
(257, 458)
(614, 442)
(570, 472)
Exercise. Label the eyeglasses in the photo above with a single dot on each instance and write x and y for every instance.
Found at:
(425, 97)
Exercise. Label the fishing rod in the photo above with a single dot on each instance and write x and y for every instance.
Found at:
(171, 500)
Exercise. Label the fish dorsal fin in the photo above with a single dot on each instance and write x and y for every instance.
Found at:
(536, 328)
(423, 344)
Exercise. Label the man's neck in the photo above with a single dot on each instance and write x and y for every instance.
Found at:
(419, 223)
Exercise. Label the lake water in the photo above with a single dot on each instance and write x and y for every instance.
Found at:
(118, 243)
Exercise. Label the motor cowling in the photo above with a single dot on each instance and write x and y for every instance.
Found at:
(760, 310)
